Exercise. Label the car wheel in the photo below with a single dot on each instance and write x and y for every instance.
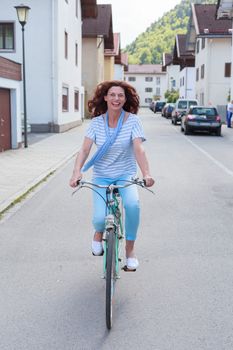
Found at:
(218, 131)
(186, 130)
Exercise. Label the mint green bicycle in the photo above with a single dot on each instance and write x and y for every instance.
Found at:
(113, 237)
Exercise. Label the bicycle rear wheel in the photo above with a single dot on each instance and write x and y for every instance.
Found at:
(110, 276)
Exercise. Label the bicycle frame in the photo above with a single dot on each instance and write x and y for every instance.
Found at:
(113, 221)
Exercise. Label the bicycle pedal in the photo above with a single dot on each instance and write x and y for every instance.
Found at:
(125, 268)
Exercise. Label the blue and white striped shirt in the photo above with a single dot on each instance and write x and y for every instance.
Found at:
(120, 158)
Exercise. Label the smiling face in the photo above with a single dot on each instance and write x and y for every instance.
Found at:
(115, 98)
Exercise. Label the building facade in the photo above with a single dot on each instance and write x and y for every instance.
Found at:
(149, 80)
(53, 41)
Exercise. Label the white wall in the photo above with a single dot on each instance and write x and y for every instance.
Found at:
(173, 73)
(187, 83)
(118, 72)
(214, 87)
(68, 72)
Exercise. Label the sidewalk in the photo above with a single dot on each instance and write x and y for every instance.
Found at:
(23, 168)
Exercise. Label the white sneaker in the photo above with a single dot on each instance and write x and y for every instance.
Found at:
(97, 248)
(132, 263)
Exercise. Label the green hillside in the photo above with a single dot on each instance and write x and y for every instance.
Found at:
(160, 36)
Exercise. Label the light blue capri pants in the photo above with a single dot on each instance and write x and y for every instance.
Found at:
(130, 201)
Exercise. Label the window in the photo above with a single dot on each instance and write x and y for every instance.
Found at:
(227, 73)
(7, 36)
(76, 54)
(198, 46)
(65, 99)
(203, 43)
(157, 80)
(148, 89)
(197, 74)
(131, 79)
(148, 100)
(76, 8)
(157, 91)
(148, 78)
(66, 45)
(76, 100)
(202, 71)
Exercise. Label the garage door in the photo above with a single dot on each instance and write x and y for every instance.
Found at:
(5, 120)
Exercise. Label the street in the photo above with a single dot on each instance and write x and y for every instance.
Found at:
(180, 298)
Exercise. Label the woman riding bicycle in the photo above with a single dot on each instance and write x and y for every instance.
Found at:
(118, 134)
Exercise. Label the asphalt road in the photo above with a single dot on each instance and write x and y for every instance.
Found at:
(180, 298)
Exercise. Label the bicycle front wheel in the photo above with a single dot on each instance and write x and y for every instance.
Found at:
(110, 275)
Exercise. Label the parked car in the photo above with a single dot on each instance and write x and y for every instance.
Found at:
(181, 105)
(158, 106)
(152, 105)
(200, 118)
(168, 110)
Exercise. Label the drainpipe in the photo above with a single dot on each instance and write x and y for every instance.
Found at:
(53, 66)
(232, 64)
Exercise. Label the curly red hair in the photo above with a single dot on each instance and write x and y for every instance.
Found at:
(97, 105)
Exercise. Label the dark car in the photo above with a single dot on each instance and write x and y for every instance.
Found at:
(158, 106)
(200, 118)
(168, 110)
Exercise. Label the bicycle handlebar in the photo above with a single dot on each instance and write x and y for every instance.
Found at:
(134, 181)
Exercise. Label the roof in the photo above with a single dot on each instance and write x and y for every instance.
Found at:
(145, 69)
(181, 56)
(89, 8)
(124, 58)
(224, 9)
(181, 46)
(100, 26)
(167, 59)
(206, 22)
(116, 48)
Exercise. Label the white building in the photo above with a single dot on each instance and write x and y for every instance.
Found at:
(149, 80)
(211, 39)
(173, 72)
(53, 44)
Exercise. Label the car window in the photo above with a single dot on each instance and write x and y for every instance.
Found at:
(204, 111)
(161, 104)
(192, 103)
(182, 104)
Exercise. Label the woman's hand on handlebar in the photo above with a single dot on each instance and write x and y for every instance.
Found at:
(148, 180)
(74, 181)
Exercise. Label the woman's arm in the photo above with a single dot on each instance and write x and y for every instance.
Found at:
(80, 160)
(142, 161)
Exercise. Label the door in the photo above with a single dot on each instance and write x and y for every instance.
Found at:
(5, 120)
